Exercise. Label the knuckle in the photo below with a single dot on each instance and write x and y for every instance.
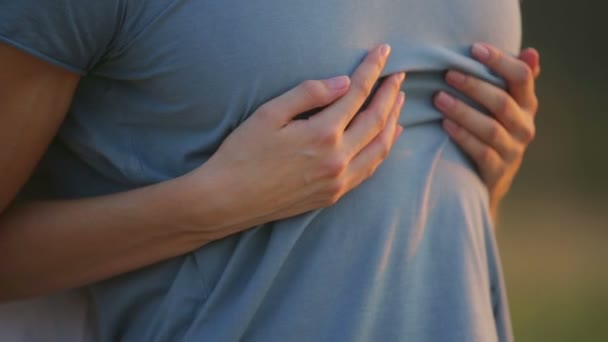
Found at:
(504, 106)
(494, 134)
(378, 121)
(329, 137)
(500, 170)
(334, 167)
(485, 156)
(529, 133)
(364, 87)
(315, 90)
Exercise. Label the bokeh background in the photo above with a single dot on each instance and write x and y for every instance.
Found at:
(553, 231)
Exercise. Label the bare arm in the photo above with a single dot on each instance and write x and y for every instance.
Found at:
(54, 245)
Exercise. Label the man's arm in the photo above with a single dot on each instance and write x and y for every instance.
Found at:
(39, 242)
(53, 245)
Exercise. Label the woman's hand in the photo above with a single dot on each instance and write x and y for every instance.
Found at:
(495, 143)
(274, 166)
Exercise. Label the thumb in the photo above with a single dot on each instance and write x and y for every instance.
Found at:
(531, 57)
(306, 96)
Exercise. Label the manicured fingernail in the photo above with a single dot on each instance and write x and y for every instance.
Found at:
(455, 78)
(338, 83)
(444, 101)
(481, 52)
(401, 77)
(385, 49)
(399, 130)
(450, 126)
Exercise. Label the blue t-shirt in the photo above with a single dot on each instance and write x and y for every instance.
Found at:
(409, 255)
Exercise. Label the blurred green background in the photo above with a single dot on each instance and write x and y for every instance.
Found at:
(553, 231)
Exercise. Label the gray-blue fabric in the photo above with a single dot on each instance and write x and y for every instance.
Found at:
(410, 255)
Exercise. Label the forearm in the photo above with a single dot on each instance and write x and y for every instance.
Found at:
(54, 245)
(271, 167)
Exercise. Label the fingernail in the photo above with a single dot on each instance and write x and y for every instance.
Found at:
(444, 101)
(401, 77)
(481, 52)
(337, 83)
(399, 130)
(455, 78)
(450, 126)
(385, 49)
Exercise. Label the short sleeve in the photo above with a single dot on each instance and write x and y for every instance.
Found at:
(73, 34)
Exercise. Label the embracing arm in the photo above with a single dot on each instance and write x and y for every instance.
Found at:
(48, 246)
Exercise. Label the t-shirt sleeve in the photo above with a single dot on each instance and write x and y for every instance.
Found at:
(73, 34)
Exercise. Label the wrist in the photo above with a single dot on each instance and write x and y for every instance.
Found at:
(205, 203)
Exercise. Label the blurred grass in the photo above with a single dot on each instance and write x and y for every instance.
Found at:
(554, 255)
(553, 233)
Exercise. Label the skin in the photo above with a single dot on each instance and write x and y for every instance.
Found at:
(313, 162)
(495, 143)
(54, 245)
